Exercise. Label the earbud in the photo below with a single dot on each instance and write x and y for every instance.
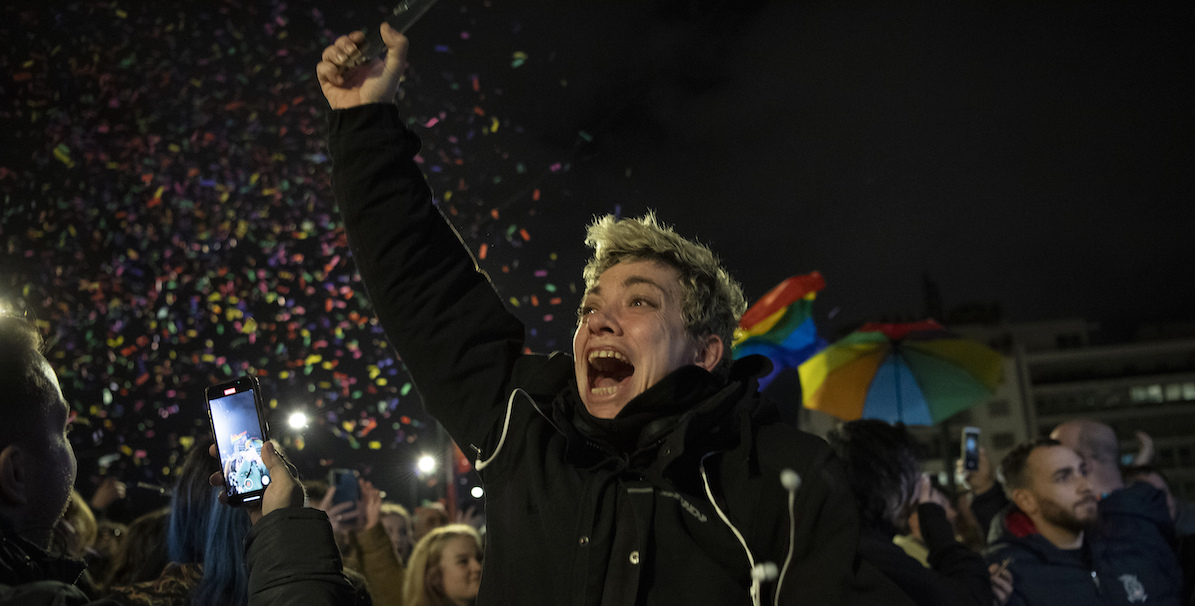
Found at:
(790, 479)
(765, 571)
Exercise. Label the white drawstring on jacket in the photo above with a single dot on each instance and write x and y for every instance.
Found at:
(478, 464)
(764, 571)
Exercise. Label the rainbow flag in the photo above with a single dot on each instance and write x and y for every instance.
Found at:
(780, 325)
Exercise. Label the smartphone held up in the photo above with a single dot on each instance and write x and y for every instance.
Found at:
(345, 483)
(239, 425)
(970, 448)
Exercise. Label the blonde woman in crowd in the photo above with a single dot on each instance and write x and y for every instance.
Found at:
(445, 568)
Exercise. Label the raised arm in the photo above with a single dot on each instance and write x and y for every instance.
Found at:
(437, 307)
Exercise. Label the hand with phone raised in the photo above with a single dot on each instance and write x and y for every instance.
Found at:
(283, 491)
(978, 480)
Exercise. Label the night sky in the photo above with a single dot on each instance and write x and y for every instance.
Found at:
(1035, 157)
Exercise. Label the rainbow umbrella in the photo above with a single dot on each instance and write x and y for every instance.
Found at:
(917, 373)
(780, 325)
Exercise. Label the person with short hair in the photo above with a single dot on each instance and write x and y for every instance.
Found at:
(1055, 551)
(645, 468)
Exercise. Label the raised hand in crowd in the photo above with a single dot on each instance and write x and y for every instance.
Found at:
(373, 82)
(110, 491)
(979, 480)
(345, 517)
(1145, 449)
(925, 493)
(470, 516)
(371, 506)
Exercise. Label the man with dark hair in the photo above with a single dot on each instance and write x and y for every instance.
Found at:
(883, 473)
(1055, 551)
(645, 468)
(297, 560)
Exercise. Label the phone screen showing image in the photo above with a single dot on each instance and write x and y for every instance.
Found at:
(971, 448)
(239, 438)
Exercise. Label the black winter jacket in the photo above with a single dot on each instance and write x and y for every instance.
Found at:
(1121, 561)
(681, 513)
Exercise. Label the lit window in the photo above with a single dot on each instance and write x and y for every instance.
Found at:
(1154, 393)
(1138, 394)
(1189, 391)
(1174, 392)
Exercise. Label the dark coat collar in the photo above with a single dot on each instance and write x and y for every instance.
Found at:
(23, 562)
(684, 406)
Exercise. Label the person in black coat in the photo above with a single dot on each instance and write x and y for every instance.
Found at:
(646, 467)
(884, 478)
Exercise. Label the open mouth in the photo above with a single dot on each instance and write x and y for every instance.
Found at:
(608, 371)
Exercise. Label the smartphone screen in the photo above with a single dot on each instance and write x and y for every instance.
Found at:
(240, 431)
(971, 448)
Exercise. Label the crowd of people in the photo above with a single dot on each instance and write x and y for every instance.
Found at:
(645, 468)
(1058, 522)
(57, 550)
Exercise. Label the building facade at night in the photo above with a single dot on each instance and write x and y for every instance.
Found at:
(1054, 373)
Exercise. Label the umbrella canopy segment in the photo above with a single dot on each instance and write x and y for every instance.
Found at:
(916, 373)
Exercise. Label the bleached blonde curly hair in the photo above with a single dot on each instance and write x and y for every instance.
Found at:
(713, 301)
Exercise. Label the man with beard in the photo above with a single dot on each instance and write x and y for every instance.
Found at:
(1050, 544)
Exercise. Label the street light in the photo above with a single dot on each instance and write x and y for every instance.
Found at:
(297, 420)
(426, 464)
(477, 492)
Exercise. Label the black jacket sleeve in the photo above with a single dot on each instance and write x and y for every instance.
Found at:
(987, 507)
(958, 577)
(293, 559)
(966, 570)
(438, 308)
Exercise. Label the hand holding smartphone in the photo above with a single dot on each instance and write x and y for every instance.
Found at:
(238, 422)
